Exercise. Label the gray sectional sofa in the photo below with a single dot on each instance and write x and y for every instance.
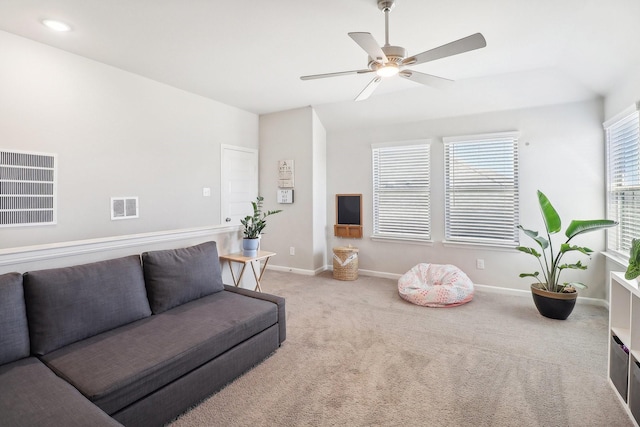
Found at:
(132, 341)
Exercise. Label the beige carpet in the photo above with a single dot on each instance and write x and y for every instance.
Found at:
(358, 355)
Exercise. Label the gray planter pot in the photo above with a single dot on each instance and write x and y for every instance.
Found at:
(250, 247)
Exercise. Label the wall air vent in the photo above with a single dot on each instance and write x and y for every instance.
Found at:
(124, 208)
(27, 188)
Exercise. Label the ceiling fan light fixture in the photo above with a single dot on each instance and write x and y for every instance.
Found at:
(388, 70)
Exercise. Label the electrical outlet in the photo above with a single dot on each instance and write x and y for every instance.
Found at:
(480, 264)
(292, 250)
(206, 192)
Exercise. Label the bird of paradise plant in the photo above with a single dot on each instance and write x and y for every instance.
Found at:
(549, 257)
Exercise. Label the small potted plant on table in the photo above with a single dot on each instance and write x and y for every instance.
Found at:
(253, 226)
(553, 298)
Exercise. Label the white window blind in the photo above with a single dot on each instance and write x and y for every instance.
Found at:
(401, 192)
(481, 189)
(27, 188)
(623, 180)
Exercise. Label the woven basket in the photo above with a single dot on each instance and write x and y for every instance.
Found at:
(345, 263)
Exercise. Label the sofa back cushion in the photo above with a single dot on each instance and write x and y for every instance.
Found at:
(14, 330)
(174, 277)
(65, 305)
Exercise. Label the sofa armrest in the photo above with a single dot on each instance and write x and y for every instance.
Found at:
(279, 301)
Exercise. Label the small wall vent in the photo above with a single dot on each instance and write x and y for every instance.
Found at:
(124, 208)
(27, 188)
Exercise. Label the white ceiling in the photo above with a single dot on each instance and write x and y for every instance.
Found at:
(251, 53)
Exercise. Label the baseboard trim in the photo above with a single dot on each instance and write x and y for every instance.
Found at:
(488, 288)
(521, 292)
(300, 271)
(382, 274)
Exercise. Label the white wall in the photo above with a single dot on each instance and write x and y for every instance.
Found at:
(116, 134)
(561, 152)
(624, 94)
(297, 135)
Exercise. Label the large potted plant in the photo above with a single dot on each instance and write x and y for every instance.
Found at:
(553, 298)
(253, 226)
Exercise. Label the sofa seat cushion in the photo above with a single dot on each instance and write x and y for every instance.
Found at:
(14, 332)
(32, 395)
(118, 367)
(65, 305)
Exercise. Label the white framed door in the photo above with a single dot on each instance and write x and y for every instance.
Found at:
(239, 182)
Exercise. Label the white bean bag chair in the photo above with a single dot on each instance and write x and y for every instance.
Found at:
(435, 285)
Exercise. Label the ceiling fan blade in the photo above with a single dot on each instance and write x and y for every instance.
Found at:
(339, 73)
(425, 79)
(370, 45)
(466, 44)
(368, 90)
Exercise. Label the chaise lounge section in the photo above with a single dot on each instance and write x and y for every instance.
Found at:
(144, 341)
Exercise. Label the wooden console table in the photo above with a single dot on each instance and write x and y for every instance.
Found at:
(244, 260)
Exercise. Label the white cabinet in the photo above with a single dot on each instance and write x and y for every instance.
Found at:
(624, 341)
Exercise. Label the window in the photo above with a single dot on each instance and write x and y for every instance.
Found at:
(623, 180)
(481, 189)
(27, 189)
(401, 194)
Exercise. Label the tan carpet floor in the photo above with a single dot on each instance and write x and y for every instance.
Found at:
(356, 354)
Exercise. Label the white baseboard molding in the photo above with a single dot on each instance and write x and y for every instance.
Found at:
(504, 291)
(497, 289)
(526, 293)
(293, 270)
(373, 273)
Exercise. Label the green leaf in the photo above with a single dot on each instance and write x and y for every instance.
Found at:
(565, 247)
(536, 274)
(544, 243)
(551, 218)
(584, 226)
(530, 251)
(577, 266)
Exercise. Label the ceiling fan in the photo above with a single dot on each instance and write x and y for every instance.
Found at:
(387, 61)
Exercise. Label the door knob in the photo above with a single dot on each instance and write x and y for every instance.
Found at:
(227, 219)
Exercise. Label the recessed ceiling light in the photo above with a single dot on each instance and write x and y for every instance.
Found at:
(56, 25)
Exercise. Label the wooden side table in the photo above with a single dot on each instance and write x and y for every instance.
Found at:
(244, 260)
